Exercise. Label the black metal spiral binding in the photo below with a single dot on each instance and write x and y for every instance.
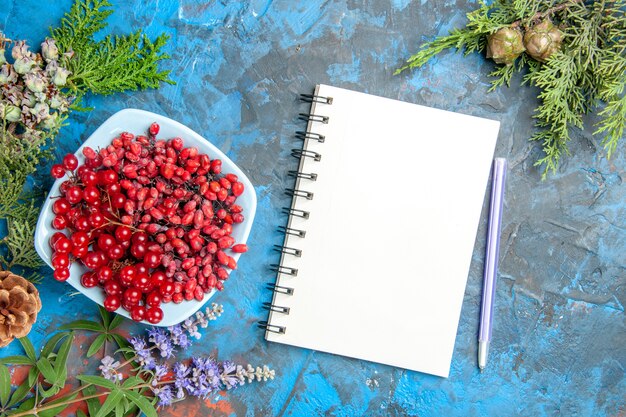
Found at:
(297, 174)
(280, 289)
(299, 193)
(310, 98)
(271, 328)
(303, 153)
(313, 118)
(292, 231)
(296, 212)
(278, 309)
(310, 135)
(288, 250)
(284, 270)
(291, 211)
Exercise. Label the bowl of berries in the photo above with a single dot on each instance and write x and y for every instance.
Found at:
(147, 218)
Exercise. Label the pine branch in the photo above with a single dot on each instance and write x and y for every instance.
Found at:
(114, 64)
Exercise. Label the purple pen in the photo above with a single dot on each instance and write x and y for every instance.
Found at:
(491, 259)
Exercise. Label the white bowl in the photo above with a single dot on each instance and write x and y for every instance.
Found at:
(137, 122)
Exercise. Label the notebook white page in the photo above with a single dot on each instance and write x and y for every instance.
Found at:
(391, 231)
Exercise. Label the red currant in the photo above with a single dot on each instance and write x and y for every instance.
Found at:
(89, 279)
(59, 222)
(57, 171)
(127, 275)
(60, 206)
(123, 234)
(61, 274)
(112, 303)
(153, 299)
(60, 260)
(154, 315)
(112, 287)
(154, 129)
(105, 242)
(70, 162)
(74, 195)
(138, 313)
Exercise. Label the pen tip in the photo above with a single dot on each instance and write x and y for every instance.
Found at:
(482, 368)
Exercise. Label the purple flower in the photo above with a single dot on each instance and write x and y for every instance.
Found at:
(159, 338)
(229, 376)
(109, 369)
(159, 372)
(179, 337)
(164, 394)
(142, 352)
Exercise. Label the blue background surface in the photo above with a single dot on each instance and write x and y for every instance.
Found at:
(559, 345)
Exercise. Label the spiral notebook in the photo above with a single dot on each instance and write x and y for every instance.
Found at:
(381, 229)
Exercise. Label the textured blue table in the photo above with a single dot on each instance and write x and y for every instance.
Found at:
(560, 335)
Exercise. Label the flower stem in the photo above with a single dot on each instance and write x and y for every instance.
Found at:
(36, 410)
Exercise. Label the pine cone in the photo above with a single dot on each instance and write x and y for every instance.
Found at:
(505, 45)
(543, 40)
(19, 305)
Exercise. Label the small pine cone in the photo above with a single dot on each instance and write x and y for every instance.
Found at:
(505, 45)
(542, 40)
(19, 305)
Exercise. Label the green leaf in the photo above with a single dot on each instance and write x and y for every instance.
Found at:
(92, 403)
(52, 343)
(132, 381)
(106, 316)
(97, 380)
(80, 413)
(117, 320)
(5, 385)
(119, 409)
(83, 325)
(28, 348)
(17, 360)
(20, 393)
(47, 393)
(56, 410)
(44, 365)
(33, 374)
(60, 362)
(27, 405)
(109, 404)
(96, 345)
(144, 405)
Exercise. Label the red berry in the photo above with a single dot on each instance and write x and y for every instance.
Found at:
(70, 162)
(142, 282)
(60, 206)
(59, 222)
(63, 245)
(123, 233)
(154, 129)
(91, 260)
(61, 274)
(153, 299)
(105, 273)
(112, 303)
(154, 315)
(79, 239)
(60, 260)
(237, 189)
(112, 288)
(131, 296)
(239, 248)
(89, 153)
(138, 313)
(167, 288)
(89, 279)
(91, 194)
(57, 171)
(127, 275)
(105, 242)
